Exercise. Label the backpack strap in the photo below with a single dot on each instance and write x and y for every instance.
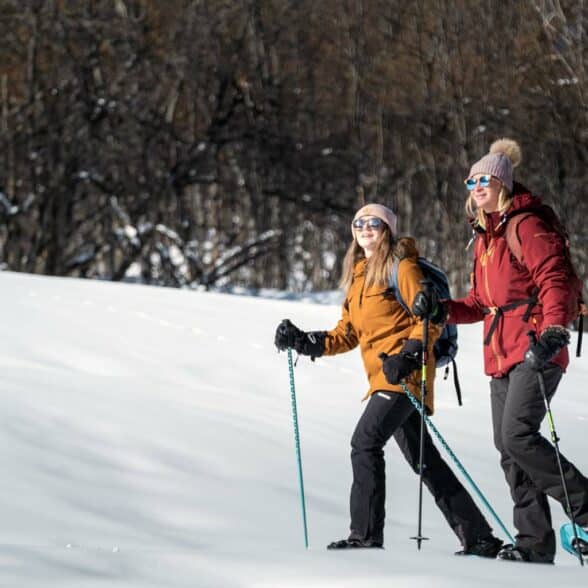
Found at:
(455, 380)
(393, 286)
(499, 311)
(580, 335)
(511, 234)
(583, 312)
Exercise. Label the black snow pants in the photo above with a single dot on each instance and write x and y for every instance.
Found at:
(387, 414)
(529, 460)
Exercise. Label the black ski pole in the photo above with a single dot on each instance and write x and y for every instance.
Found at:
(419, 538)
(555, 440)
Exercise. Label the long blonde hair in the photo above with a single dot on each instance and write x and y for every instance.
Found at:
(379, 265)
(504, 202)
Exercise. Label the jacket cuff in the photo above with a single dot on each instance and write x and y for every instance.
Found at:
(412, 347)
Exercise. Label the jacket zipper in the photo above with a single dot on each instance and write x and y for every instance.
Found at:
(361, 291)
(486, 254)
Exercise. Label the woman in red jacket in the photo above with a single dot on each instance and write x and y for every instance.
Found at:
(514, 298)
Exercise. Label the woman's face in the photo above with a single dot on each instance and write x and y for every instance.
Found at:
(367, 231)
(485, 190)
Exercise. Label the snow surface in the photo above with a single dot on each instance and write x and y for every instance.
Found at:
(146, 440)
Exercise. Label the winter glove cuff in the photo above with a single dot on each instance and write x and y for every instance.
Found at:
(557, 332)
(412, 347)
(312, 343)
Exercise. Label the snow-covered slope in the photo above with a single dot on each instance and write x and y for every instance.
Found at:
(146, 440)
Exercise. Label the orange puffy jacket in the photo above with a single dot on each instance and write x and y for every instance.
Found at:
(373, 319)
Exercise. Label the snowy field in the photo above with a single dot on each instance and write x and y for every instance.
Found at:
(146, 441)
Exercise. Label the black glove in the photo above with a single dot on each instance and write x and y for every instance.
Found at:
(542, 351)
(399, 366)
(289, 335)
(427, 304)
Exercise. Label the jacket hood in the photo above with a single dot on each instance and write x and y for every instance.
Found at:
(406, 247)
(522, 199)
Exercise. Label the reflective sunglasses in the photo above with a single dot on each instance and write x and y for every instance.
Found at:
(472, 182)
(371, 223)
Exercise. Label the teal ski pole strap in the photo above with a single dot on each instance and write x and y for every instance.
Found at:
(297, 443)
(462, 469)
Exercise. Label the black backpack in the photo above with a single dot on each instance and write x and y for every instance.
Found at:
(446, 346)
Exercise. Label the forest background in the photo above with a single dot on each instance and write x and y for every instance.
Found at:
(224, 143)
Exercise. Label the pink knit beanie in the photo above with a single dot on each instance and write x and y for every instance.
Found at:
(503, 157)
(380, 211)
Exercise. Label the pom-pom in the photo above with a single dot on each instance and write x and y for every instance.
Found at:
(510, 148)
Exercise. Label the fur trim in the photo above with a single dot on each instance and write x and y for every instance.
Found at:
(406, 247)
(510, 148)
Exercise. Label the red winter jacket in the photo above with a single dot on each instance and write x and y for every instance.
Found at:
(498, 280)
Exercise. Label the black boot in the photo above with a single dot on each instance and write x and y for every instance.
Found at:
(487, 547)
(354, 544)
(515, 553)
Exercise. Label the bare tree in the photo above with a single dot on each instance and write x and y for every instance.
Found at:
(213, 143)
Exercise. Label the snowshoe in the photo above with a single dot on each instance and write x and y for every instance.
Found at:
(515, 553)
(568, 541)
(487, 547)
(354, 544)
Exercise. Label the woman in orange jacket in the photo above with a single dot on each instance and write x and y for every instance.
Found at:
(373, 319)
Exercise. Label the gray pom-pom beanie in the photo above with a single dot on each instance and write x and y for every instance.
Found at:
(503, 157)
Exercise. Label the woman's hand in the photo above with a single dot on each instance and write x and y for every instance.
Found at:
(542, 351)
(427, 305)
(399, 366)
(287, 334)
